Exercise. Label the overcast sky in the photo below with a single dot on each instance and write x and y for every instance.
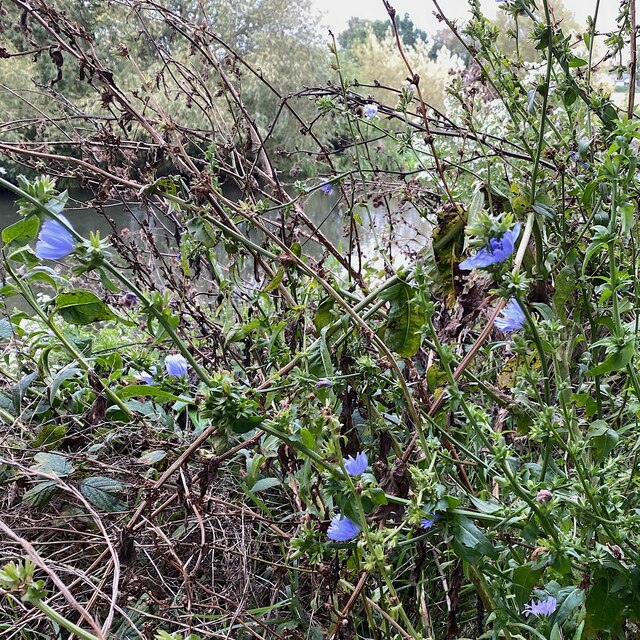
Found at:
(337, 12)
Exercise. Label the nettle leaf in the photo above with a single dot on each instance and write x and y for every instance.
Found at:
(53, 464)
(82, 307)
(49, 436)
(103, 493)
(406, 317)
(41, 494)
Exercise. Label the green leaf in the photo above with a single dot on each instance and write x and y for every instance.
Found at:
(243, 424)
(41, 494)
(627, 211)
(469, 542)
(102, 493)
(604, 607)
(152, 457)
(151, 391)
(544, 207)
(21, 232)
(568, 599)
(6, 329)
(565, 284)
(66, 373)
(405, 320)
(20, 389)
(524, 580)
(275, 282)
(53, 464)
(319, 358)
(264, 484)
(604, 439)
(82, 307)
(49, 436)
(616, 361)
(324, 315)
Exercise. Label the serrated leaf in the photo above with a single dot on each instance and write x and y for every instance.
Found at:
(102, 493)
(41, 494)
(404, 321)
(49, 436)
(53, 464)
(82, 307)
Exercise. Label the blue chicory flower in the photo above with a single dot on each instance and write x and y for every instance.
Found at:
(324, 383)
(342, 529)
(55, 241)
(358, 465)
(498, 250)
(327, 189)
(541, 607)
(176, 365)
(427, 523)
(370, 110)
(511, 318)
(145, 377)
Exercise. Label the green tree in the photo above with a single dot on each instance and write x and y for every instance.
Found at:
(358, 30)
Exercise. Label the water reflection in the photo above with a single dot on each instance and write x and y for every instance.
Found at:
(387, 237)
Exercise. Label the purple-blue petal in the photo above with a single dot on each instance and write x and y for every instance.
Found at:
(176, 365)
(342, 529)
(497, 250)
(539, 608)
(427, 523)
(358, 465)
(512, 317)
(55, 241)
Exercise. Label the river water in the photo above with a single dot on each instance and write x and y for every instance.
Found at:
(382, 241)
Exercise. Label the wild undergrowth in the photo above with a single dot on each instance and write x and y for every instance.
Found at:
(413, 416)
